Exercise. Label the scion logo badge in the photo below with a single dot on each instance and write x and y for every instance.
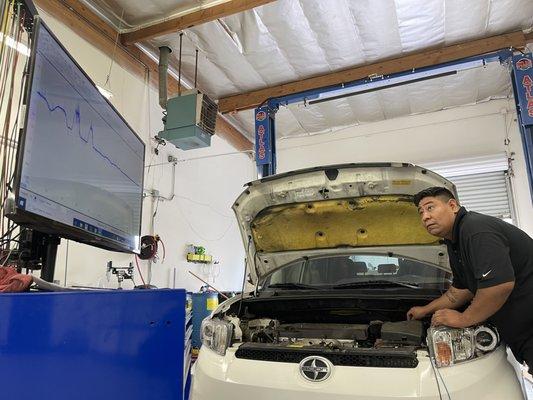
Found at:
(315, 369)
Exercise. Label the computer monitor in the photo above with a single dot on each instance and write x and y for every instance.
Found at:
(80, 166)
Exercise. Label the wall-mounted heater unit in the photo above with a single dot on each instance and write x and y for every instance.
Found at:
(190, 120)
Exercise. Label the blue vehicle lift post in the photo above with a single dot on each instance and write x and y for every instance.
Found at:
(521, 73)
(522, 80)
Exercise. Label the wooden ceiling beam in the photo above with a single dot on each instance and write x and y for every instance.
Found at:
(91, 28)
(425, 58)
(192, 19)
(97, 32)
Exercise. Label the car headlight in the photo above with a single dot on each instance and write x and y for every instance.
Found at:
(216, 334)
(450, 346)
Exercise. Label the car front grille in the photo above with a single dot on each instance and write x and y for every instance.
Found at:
(382, 358)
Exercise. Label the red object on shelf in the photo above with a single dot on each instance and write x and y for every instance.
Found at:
(11, 281)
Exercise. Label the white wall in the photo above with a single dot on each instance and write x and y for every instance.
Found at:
(205, 189)
(457, 133)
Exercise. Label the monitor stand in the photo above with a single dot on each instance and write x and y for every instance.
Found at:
(39, 251)
(49, 243)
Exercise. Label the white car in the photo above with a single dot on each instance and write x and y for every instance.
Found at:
(338, 255)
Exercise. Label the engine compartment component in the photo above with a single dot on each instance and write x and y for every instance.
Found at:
(335, 331)
(377, 334)
(404, 332)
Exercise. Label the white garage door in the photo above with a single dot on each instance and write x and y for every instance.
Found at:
(482, 184)
(486, 193)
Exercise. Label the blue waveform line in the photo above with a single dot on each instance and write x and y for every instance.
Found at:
(90, 135)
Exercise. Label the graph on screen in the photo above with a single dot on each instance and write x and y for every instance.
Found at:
(76, 126)
(82, 164)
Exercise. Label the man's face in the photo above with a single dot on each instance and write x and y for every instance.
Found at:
(438, 215)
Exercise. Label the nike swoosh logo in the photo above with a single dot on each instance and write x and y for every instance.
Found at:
(486, 273)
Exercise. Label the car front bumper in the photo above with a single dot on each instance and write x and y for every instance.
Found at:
(227, 377)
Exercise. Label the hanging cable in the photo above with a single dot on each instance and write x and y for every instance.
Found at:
(196, 70)
(202, 158)
(436, 377)
(114, 51)
(7, 258)
(184, 215)
(139, 269)
(66, 264)
(164, 250)
(179, 65)
(10, 239)
(7, 79)
(439, 376)
(9, 57)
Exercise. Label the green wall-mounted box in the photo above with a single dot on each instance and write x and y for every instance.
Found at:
(190, 121)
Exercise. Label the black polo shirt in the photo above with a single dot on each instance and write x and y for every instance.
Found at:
(486, 251)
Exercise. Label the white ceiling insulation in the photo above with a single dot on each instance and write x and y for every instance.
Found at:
(288, 40)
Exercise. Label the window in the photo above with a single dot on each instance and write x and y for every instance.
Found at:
(336, 270)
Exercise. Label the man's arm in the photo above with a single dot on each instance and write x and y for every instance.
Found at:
(486, 303)
(492, 267)
(452, 299)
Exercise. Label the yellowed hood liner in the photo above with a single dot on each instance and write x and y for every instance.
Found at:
(357, 222)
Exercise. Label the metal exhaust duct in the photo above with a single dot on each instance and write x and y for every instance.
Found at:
(164, 52)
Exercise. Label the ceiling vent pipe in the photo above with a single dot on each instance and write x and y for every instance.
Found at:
(164, 52)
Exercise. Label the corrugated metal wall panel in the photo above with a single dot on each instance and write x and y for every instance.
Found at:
(486, 193)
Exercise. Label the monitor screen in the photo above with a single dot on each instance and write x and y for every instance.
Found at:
(80, 166)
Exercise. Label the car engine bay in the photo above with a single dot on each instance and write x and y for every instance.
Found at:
(376, 334)
(337, 325)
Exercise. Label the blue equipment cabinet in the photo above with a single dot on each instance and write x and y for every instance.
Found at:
(93, 345)
(187, 355)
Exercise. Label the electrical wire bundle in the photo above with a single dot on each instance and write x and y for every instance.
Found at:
(13, 73)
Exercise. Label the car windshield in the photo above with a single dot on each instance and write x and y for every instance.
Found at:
(351, 271)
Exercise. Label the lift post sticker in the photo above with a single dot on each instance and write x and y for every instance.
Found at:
(523, 71)
(263, 149)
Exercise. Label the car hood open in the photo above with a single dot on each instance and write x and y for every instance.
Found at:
(335, 209)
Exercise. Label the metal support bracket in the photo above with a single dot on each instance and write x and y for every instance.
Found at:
(265, 130)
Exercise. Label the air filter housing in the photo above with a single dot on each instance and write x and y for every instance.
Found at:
(190, 120)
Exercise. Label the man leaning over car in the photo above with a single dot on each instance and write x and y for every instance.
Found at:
(492, 265)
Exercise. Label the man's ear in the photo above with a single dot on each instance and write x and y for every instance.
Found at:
(454, 205)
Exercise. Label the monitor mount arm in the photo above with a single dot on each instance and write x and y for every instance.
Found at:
(38, 250)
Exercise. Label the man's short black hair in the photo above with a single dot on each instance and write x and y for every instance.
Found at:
(435, 191)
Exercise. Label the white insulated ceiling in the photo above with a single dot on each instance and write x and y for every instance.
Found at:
(288, 40)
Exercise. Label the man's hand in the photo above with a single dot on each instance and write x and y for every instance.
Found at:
(451, 318)
(416, 313)
(452, 299)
